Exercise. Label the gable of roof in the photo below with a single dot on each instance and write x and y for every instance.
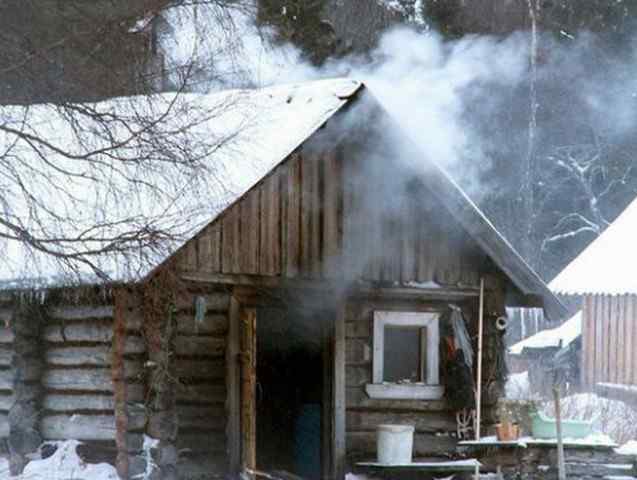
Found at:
(604, 266)
(479, 228)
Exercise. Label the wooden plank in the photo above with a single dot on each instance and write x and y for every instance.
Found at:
(606, 339)
(4, 425)
(208, 442)
(613, 338)
(78, 379)
(6, 354)
(231, 236)
(98, 356)
(599, 338)
(588, 342)
(293, 217)
(200, 394)
(201, 369)
(332, 215)
(250, 222)
(209, 249)
(270, 262)
(409, 241)
(202, 466)
(338, 390)
(633, 335)
(358, 375)
(71, 403)
(358, 329)
(79, 332)
(7, 400)
(357, 351)
(78, 427)
(199, 417)
(82, 312)
(215, 247)
(424, 422)
(211, 324)
(6, 335)
(248, 388)
(6, 379)
(233, 386)
(621, 339)
(200, 346)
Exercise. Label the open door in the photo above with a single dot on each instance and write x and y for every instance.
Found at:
(286, 396)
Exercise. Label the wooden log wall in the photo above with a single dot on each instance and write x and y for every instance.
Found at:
(314, 210)
(6, 372)
(201, 390)
(433, 419)
(79, 400)
(609, 339)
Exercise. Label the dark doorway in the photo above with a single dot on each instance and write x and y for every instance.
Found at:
(290, 391)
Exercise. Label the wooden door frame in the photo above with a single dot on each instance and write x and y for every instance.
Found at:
(332, 425)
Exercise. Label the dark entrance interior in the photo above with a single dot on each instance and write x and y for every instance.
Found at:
(290, 391)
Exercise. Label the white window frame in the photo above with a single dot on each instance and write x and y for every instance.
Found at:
(429, 389)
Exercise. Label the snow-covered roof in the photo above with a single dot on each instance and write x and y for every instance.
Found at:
(555, 337)
(606, 265)
(251, 131)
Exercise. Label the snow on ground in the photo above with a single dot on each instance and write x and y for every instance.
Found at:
(518, 386)
(554, 337)
(610, 417)
(628, 448)
(64, 464)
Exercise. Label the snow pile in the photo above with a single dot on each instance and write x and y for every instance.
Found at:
(628, 448)
(601, 267)
(611, 417)
(64, 464)
(594, 439)
(560, 336)
(518, 387)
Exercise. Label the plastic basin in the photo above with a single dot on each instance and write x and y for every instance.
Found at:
(545, 427)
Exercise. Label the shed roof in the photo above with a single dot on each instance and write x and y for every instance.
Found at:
(605, 265)
(264, 127)
(555, 337)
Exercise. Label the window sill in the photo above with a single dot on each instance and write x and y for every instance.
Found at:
(404, 391)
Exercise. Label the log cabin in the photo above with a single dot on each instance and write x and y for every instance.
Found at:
(310, 309)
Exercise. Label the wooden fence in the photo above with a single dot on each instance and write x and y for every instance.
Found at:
(609, 339)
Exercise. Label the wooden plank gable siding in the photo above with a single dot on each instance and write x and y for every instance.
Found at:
(312, 218)
(609, 348)
(289, 224)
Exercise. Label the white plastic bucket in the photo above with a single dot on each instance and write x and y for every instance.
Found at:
(394, 444)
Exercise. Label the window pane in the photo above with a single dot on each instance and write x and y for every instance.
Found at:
(402, 355)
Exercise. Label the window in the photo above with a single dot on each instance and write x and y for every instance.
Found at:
(405, 356)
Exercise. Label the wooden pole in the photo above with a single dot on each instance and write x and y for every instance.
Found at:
(479, 368)
(561, 468)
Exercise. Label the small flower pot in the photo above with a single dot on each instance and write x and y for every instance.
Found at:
(507, 432)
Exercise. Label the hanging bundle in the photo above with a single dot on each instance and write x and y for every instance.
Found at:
(459, 382)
